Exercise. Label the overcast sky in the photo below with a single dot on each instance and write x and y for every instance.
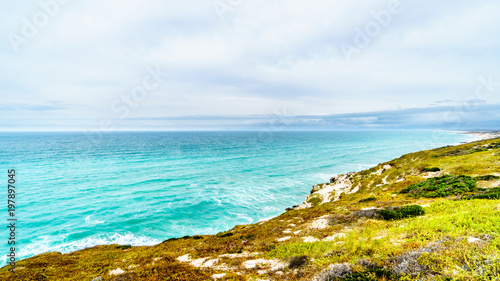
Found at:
(244, 64)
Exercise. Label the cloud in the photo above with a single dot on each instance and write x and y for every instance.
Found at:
(263, 57)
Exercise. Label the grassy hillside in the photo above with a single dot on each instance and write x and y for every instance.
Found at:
(427, 215)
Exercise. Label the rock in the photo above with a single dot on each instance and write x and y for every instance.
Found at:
(98, 279)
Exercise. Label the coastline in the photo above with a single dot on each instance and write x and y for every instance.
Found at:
(309, 224)
(484, 135)
(355, 157)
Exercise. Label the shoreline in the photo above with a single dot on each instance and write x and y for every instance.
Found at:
(483, 135)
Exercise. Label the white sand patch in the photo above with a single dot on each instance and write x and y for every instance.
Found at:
(117, 271)
(287, 231)
(218, 276)
(249, 264)
(198, 262)
(432, 174)
(320, 223)
(473, 240)
(240, 255)
(297, 232)
(273, 265)
(334, 237)
(309, 239)
(283, 238)
(291, 225)
(210, 263)
(384, 180)
(184, 258)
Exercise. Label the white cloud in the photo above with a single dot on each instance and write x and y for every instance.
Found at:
(264, 56)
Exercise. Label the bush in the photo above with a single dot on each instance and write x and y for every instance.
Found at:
(486, 193)
(487, 178)
(298, 261)
(441, 186)
(389, 215)
(433, 169)
(411, 211)
(315, 200)
(369, 199)
(223, 235)
(402, 213)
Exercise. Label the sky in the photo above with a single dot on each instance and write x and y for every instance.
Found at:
(249, 64)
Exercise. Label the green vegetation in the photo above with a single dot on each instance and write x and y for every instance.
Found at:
(441, 186)
(344, 240)
(298, 261)
(315, 200)
(487, 178)
(369, 199)
(432, 169)
(486, 193)
(402, 213)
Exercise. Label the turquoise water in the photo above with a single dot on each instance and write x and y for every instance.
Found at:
(142, 188)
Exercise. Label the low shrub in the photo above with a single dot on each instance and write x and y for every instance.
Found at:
(486, 193)
(441, 186)
(411, 211)
(432, 169)
(487, 178)
(223, 235)
(389, 215)
(369, 199)
(298, 261)
(315, 200)
(402, 213)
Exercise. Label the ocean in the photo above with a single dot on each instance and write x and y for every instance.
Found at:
(140, 188)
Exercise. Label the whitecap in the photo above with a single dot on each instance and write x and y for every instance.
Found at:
(53, 244)
(89, 221)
